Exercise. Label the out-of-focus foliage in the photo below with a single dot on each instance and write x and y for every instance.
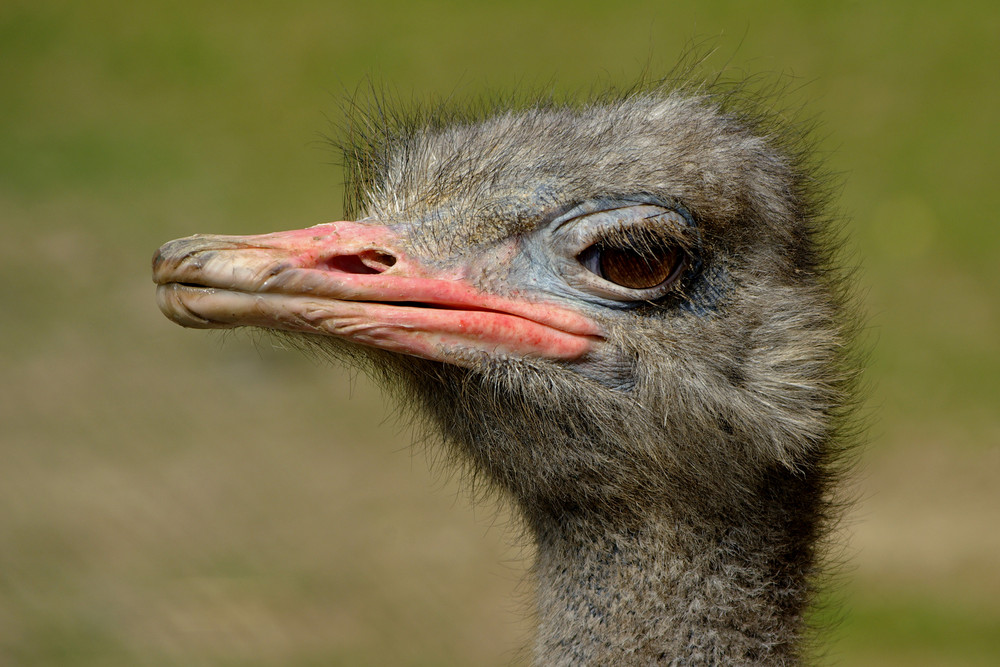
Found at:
(176, 497)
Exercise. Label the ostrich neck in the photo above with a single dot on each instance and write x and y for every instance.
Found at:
(673, 589)
(648, 551)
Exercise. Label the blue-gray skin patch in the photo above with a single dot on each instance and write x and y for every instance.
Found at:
(707, 291)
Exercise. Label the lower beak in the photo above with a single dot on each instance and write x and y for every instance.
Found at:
(356, 282)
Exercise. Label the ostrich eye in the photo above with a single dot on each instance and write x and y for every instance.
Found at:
(626, 251)
(645, 267)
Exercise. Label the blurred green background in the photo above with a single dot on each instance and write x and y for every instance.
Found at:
(174, 497)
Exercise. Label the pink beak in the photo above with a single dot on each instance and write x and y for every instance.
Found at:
(354, 281)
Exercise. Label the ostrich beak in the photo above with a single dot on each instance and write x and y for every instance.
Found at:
(355, 281)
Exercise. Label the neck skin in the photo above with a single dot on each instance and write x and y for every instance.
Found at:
(666, 590)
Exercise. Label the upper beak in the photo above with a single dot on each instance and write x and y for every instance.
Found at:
(356, 281)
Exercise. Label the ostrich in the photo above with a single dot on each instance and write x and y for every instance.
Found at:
(626, 316)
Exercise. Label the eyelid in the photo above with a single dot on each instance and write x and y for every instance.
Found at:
(612, 203)
(605, 227)
(589, 208)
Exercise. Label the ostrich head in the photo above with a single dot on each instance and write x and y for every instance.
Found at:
(621, 315)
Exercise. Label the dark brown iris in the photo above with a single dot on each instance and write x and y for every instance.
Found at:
(638, 270)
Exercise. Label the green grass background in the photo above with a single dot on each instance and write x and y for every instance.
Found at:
(172, 497)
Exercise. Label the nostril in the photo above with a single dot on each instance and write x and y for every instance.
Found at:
(379, 261)
(366, 262)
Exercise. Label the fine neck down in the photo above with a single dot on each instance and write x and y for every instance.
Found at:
(662, 536)
(679, 588)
